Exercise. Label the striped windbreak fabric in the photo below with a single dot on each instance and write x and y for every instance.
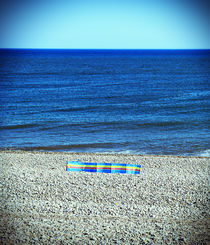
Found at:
(122, 168)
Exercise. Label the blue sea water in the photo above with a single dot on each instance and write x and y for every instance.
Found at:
(121, 101)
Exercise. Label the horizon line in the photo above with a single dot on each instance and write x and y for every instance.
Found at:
(167, 49)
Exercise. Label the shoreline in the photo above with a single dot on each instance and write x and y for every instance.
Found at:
(167, 203)
(99, 153)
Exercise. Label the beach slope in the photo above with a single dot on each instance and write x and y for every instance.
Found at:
(41, 203)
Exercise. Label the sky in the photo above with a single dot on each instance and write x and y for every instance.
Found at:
(105, 24)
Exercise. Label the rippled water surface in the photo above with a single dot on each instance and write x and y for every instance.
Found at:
(145, 102)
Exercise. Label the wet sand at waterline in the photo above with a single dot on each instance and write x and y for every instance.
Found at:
(41, 203)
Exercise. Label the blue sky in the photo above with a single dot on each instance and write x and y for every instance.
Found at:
(105, 24)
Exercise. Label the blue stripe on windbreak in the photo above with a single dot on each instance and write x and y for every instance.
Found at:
(118, 171)
(73, 169)
(80, 163)
(131, 165)
(112, 164)
(72, 162)
(104, 164)
(104, 171)
(80, 170)
(88, 170)
(132, 172)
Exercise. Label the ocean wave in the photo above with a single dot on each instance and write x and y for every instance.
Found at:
(160, 124)
(19, 126)
(79, 108)
(68, 147)
(119, 125)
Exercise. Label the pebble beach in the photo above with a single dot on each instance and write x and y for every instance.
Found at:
(42, 203)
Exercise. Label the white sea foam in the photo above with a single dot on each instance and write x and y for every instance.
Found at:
(124, 152)
(205, 153)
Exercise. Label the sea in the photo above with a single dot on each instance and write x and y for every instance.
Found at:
(107, 101)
